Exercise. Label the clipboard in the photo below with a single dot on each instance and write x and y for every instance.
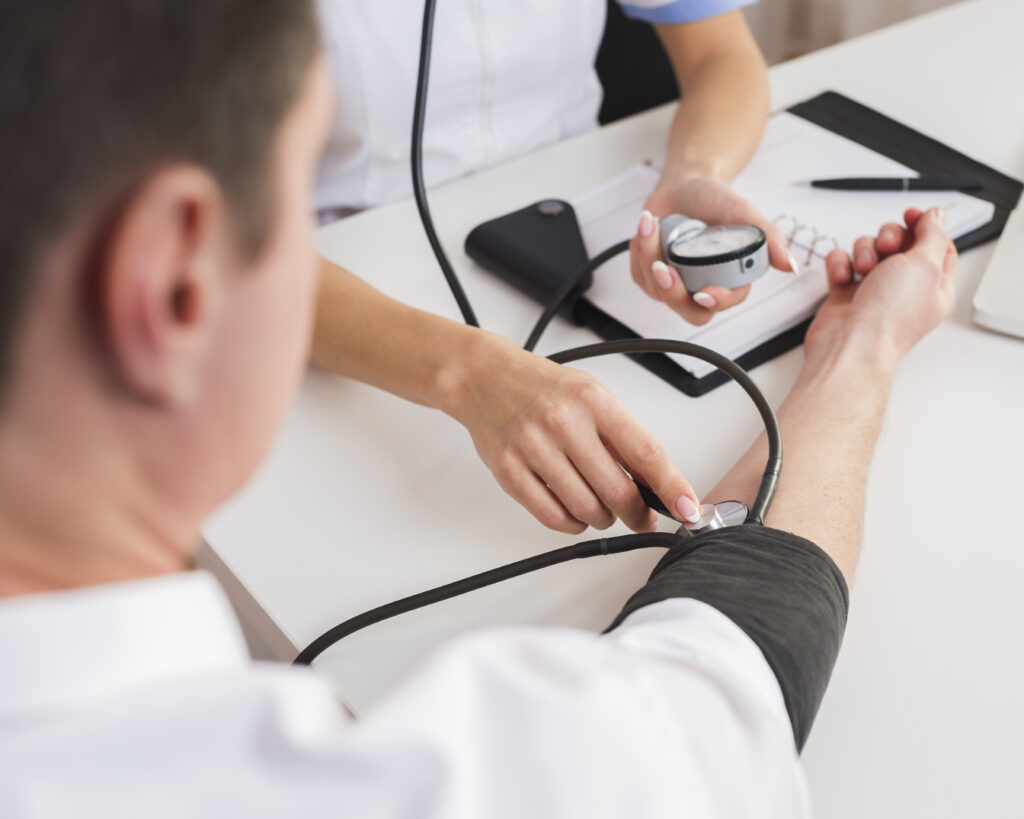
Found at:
(848, 118)
(854, 121)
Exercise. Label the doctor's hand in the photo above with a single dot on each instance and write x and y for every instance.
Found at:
(559, 443)
(711, 200)
(896, 288)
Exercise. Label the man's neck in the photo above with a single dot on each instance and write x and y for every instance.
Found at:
(80, 518)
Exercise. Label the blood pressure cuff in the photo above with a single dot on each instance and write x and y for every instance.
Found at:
(782, 590)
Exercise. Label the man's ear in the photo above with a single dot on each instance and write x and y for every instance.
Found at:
(158, 284)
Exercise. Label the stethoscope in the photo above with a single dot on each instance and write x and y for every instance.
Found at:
(725, 255)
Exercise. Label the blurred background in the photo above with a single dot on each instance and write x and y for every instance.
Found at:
(789, 28)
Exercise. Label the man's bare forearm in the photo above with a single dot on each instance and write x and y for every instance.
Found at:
(830, 423)
(832, 418)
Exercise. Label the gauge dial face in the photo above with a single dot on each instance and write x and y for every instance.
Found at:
(731, 241)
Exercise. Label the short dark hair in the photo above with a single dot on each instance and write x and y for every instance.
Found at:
(94, 95)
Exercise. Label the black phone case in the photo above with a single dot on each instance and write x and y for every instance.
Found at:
(534, 249)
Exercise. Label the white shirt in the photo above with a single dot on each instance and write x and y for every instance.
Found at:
(506, 77)
(137, 699)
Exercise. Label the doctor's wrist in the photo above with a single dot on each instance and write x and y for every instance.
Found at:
(678, 174)
(476, 360)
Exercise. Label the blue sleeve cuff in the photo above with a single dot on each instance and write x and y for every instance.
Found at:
(680, 11)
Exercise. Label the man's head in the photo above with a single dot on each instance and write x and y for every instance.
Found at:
(156, 268)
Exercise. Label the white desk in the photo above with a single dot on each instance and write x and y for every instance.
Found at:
(366, 498)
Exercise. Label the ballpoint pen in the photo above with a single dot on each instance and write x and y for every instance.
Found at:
(914, 183)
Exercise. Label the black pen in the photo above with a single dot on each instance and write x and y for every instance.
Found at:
(895, 183)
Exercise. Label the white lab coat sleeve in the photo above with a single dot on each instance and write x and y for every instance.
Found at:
(676, 713)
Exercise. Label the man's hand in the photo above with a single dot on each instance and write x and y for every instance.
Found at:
(708, 198)
(559, 442)
(906, 288)
(832, 417)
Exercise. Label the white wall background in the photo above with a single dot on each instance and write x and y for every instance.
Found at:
(788, 28)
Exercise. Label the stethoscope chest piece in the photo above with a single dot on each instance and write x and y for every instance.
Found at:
(716, 516)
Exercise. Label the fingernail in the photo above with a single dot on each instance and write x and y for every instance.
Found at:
(705, 300)
(687, 509)
(662, 275)
(888, 234)
(863, 259)
(940, 214)
(646, 226)
(792, 264)
(653, 527)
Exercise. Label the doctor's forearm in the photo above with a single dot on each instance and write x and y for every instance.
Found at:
(363, 334)
(470, 374)
(718, 123)
(553, 436)
(725, 98)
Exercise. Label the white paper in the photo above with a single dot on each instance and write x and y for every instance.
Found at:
(792, 152)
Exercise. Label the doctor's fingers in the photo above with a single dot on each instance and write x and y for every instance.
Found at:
(573, 489)
(744, 212)
(557, 453)
(615, 489)
(580, 471)
(531, 492)
(779, 255)
(700, 307)
(644, 251)
(662, 283)
(716, 298)
(646, 459)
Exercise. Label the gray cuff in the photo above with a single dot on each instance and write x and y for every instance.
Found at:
(783, 591)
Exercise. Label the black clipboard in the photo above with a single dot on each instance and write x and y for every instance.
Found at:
(850, 119)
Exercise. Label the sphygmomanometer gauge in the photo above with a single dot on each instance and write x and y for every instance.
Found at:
(728, 256)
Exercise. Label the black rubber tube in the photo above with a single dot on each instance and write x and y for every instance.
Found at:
(563, 292)
(770, 477)
(418, 187)
(589, 548)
